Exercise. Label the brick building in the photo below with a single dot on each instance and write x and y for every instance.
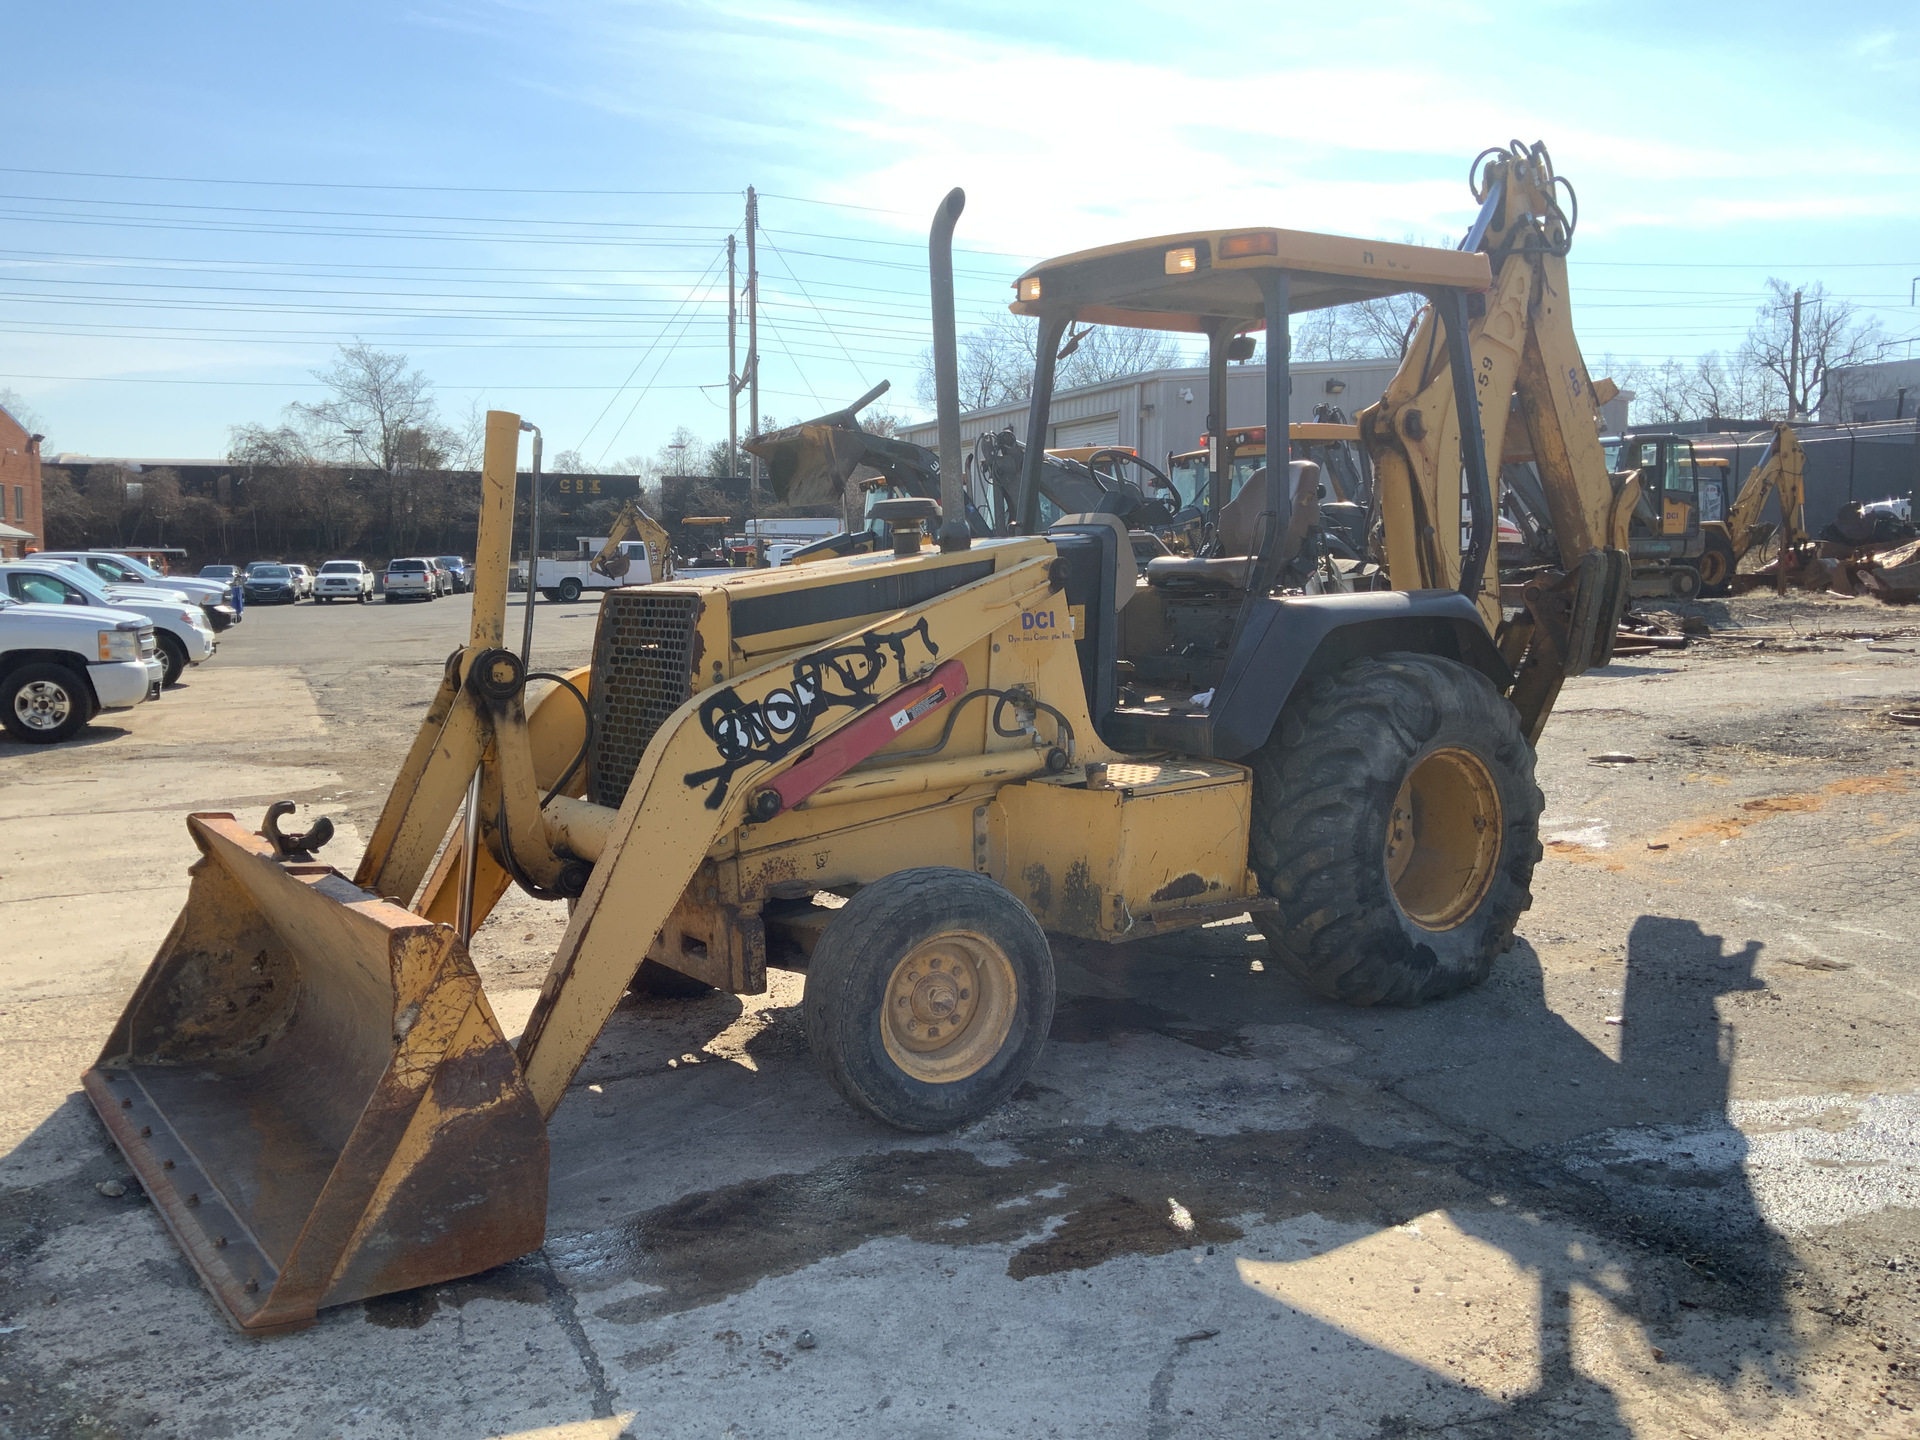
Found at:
(22, 521)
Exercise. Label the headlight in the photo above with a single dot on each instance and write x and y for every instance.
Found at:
(119, 645)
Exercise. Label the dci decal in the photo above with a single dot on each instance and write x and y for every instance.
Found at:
(1040, 625)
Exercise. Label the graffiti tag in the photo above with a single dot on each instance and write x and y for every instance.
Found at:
(841, 677)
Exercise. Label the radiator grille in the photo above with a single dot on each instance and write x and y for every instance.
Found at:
(642, 673)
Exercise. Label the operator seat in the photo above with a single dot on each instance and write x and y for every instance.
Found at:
(1240, 533)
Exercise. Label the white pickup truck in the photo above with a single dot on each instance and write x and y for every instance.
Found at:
(60, 665)
(571, 577)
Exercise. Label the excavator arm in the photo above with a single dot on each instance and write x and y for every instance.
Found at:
(1527, 368)
(633, 523)
(1784, 468)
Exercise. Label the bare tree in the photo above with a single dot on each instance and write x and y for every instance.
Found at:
(1800, 337)
(382, 414)
(28, 418)
(1370, 330)
(996, 361)
(290, 483)
(567, 462)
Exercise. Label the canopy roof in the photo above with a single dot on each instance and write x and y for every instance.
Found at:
(1187, 282)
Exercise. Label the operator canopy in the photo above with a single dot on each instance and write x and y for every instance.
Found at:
(1185, 282)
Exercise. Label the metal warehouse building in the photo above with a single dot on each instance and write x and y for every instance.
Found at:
(1164, 412)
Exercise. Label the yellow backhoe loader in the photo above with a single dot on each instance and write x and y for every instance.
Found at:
(967, 742)
(631, 524)
(1782, 468)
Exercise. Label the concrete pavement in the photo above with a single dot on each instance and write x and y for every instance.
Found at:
(1659, 1176)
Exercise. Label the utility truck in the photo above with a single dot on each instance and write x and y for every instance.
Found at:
(635, 553)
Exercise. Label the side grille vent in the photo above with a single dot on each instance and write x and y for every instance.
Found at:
(642, 673)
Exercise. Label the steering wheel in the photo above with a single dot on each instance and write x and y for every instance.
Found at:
(1145, 511)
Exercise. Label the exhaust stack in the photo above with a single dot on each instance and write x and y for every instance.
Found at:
(954, 534)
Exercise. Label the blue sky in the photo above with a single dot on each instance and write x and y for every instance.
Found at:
(1712, 145)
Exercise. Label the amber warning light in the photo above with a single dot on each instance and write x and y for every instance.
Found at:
(1254, 242)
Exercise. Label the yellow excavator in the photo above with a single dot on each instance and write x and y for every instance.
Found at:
(899, 772)
(1782, 469)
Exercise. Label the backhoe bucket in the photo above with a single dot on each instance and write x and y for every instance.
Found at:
(312, 1088)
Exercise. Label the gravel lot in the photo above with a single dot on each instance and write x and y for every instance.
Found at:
(1659, 1176)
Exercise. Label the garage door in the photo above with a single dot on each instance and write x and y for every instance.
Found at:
(1104, 431)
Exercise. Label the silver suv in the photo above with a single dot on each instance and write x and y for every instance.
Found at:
(412, 580)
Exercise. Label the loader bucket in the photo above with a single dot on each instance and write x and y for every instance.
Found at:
(312, 1088)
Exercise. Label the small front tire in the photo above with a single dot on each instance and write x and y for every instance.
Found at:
(570, 590)
(929, 997)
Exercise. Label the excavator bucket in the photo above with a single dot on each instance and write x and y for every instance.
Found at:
(314, 1092)
(808, 464)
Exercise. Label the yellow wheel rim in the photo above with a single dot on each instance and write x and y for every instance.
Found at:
(1443, 840)
(1713, 567)
(949, 1006)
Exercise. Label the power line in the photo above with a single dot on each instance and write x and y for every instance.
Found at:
(348, 184)
(641, 361)
(316, 385)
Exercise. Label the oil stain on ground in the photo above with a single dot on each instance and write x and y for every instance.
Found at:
(1085, 1019)
(1078, 1198)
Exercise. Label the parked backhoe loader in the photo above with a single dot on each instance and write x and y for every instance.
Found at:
(1782, 468)
(629, 524)
(966, 742)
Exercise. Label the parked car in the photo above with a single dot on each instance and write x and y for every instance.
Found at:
(455, 566)
(302, 581)
(411, 580)
(116, 568)
(442, 577)
(271, 584)
(180, 627)
(59, 667)
(343, 580)
(228, 573)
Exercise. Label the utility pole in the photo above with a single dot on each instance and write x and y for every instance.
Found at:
(1793, 364)
(733, 374)
(753, 340)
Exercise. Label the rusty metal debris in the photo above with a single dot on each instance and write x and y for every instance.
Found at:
(1890, 574)
(1643, 634)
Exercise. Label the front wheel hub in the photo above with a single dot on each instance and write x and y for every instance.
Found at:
(43, 705)
(949, 1005)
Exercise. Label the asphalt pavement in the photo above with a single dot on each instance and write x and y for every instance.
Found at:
(1659, 1176)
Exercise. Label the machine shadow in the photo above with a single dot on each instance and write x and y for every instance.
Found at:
(1637, 1150)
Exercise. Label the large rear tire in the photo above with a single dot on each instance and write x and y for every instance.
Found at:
(928, 997)
(1397, 823)
(570, 590)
